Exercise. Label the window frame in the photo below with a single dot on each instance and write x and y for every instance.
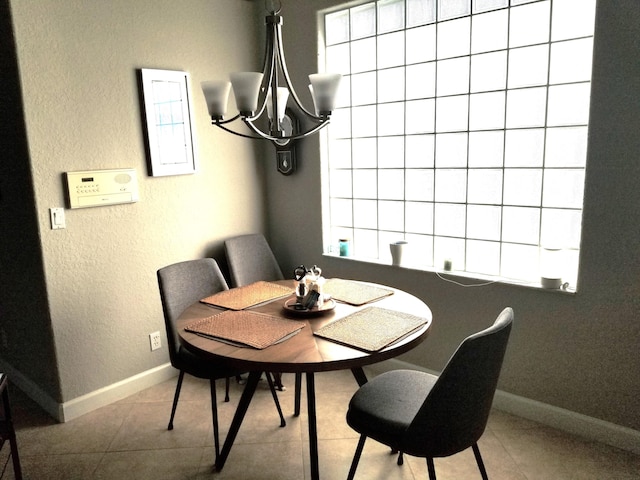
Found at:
(332, 233)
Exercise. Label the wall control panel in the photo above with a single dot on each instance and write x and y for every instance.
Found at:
(95, 188)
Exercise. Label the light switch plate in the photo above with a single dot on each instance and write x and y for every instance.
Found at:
(57, 218)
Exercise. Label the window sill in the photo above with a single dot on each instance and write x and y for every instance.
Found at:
(463, 279)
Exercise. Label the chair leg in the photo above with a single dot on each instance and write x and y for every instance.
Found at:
(275, 398)
(226, 389)
(297, 394)
(277, 381)
(432, 469)
(176, 396)
(10, 434)
(356, 457)
(476, 453)
(214, 416)
(400, 457)
(17, 469)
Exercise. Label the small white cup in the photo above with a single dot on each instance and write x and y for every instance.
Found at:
(397, 251)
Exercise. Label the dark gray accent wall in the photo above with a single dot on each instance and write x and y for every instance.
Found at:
(577, 352)
(26, 340)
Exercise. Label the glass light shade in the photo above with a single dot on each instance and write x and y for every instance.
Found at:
(216, 94)
(246, 89)
(313, 97)
(324, 89)
(283, 96)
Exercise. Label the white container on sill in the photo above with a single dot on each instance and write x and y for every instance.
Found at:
(398, 250)
(551, 267)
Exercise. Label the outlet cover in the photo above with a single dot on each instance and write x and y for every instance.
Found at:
(154, 340)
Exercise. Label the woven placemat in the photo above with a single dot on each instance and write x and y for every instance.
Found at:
(372, 328)
(247, 296)
(354, 293)
(246, 328)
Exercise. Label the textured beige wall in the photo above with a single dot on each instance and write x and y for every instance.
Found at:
(578, 352)
(78, 64)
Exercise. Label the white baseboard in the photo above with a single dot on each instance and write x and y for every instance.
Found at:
(63, 412)
(560, 418)
(116, 391)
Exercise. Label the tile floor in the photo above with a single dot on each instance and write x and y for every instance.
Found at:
(129, 440)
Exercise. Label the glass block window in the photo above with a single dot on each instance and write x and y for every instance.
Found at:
(461, 127)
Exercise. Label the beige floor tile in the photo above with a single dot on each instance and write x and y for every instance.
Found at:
(129, 439)
(544, 453)
(92, 432)
(331, 413)
(59, 467)
(497, 462)
(145, 427)
(264, 461)
(171, 464)
(376, 463)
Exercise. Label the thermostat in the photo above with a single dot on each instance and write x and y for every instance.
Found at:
(94, 188)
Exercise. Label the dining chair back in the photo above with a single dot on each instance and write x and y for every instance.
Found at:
(183, 284)
(435, 416)
(251, 259)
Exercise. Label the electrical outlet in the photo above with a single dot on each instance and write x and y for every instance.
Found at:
(154, 340)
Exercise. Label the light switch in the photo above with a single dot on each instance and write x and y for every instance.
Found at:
(57, 218)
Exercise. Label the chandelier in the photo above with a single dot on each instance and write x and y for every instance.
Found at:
(267, 92)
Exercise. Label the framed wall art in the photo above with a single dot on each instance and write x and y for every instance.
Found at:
(166, 98)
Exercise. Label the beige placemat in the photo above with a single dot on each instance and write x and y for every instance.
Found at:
(354, 293)
(372, 328)
(246, 328)
(247, 296)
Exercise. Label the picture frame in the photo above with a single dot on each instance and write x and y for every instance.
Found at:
(168, 121)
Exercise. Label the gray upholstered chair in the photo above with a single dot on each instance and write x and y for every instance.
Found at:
(429, 416)
(181, 285)
(250, 260)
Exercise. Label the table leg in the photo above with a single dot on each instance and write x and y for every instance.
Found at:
(360, 376)
(298, 388)
(313, 430)
(243, 404)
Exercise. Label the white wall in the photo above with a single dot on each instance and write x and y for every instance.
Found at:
(78, 63)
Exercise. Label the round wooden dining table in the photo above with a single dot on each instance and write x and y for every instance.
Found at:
(303, 353)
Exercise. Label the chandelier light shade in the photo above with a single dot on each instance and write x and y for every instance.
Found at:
(246, 88)
(217, 95)
(283, 96)
(263, 93)
(324, 87)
